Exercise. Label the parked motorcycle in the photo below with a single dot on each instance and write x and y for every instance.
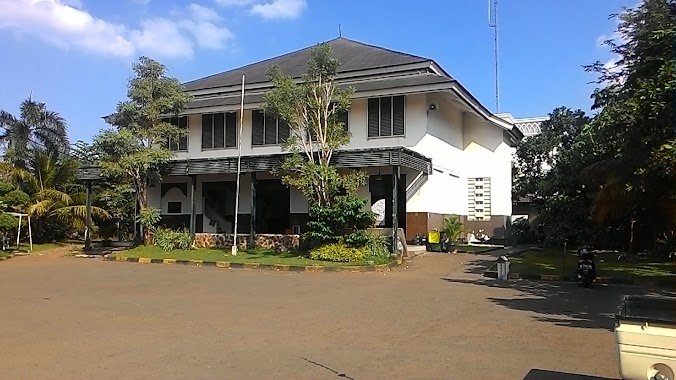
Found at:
(586, 268)
(419, 239)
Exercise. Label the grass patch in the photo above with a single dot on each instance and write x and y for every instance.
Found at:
(256, 256)
(25, 247)
(555, 262)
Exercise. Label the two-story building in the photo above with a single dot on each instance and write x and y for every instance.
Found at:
(414, 128)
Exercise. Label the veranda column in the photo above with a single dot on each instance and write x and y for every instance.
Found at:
(88, 217)
(252, 231)
(395, 208)
(193, 200)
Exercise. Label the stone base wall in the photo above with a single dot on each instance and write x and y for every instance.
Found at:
(265, 241)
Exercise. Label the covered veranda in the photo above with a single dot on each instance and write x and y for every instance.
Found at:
(390, 164)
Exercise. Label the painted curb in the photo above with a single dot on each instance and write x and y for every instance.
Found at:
(601, 280)
(257, 266)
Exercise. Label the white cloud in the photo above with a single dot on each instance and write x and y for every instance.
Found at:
(279, 9)
(161, 37)
(233, 3)
(207, 34)
(61, 24)
(201, 13)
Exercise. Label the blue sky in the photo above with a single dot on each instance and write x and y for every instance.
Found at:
(76, 55)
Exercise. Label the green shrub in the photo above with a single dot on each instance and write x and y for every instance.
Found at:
(339, 253)
(16, 199)
(149, 217)
(344, 222)
(452, 227)
(6, 187)
(377, 246)
(170, 240)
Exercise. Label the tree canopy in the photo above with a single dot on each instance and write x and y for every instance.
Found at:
(616, 167)
(138, 145)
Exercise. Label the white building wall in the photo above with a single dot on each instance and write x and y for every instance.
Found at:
(445, 191)
(460, 144)
(486, 154)
(415, 124)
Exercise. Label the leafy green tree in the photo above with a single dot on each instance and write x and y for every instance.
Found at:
(548, 172)
(137, 148)
(634, 181)
(35, 126)
(311, 109)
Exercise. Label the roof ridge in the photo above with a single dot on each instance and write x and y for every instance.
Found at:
(300, 50)
(382, 48)
(254, 63)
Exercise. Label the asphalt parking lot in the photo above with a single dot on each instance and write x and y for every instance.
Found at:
(437, 319)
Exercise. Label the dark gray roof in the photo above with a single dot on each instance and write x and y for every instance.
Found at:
(352, 56)
(372, 85)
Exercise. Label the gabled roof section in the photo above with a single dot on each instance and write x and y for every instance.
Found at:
(352, 55)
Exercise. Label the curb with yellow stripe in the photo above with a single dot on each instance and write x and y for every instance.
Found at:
(274, 267)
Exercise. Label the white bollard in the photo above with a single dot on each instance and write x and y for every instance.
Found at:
(503, 268)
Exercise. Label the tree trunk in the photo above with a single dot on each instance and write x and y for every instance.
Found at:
(142, 198)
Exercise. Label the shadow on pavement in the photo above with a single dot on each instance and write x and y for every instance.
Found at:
(561, 303)
(541, 374)
(483, 261)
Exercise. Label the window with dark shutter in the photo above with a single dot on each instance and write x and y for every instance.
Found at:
(183, 140)
(283, 131)
(343, 117)
(258, 127)
(219, 130)
(182, 143)
(386, 116)
(397, 116)
(374, 117)
(270, 130)
(207, 131)
(230, 129)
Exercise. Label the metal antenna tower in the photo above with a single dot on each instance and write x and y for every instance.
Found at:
(493, 23)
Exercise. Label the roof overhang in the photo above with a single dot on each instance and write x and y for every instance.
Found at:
(344, 159)
(513, 134)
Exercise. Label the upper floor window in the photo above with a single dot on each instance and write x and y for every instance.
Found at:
(341, 116)
(267, 130)
(219, 130)
(182, 143)
(386, 116)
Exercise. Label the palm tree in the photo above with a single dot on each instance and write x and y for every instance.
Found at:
(67, 209)
(35, 126)
(53, 196)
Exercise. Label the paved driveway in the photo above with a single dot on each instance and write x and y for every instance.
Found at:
(84, 318)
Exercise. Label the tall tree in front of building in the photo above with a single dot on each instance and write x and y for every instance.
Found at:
(312, 110)
(138, 145)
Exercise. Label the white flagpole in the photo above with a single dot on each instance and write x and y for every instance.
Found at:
(239, 168)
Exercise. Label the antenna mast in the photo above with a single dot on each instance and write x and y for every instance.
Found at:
(493, 23)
